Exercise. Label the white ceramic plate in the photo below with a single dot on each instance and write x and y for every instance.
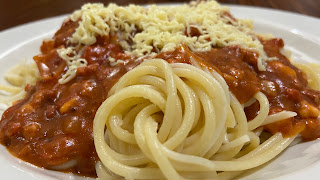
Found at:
(300, 33)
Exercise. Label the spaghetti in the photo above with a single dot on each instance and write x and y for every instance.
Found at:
(160, 92)
(18, 77)
(176, 121)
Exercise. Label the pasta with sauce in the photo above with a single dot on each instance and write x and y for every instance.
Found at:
(160, 92)
(208, 131)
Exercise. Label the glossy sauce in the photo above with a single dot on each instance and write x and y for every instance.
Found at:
(52, 125)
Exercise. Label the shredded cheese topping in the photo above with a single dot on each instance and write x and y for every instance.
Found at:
(155, 29)
(73, 61)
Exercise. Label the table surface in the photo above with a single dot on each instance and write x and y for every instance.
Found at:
(16, 12)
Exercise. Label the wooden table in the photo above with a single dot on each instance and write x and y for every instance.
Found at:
(16, 12)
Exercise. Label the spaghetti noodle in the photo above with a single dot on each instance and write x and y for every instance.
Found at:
(177, 121)
(18, 77)
(160, 92)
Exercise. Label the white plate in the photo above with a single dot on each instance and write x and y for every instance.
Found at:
(300, 33)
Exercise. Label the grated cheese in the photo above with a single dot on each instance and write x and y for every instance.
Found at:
(157, 29)
(73, 61)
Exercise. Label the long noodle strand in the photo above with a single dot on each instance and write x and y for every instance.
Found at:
(178, 121)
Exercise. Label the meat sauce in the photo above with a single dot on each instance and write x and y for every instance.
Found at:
(52, 125)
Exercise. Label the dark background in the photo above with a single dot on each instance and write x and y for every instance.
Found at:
(16, 12)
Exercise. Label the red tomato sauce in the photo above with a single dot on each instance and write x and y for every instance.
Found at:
(52, 125)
